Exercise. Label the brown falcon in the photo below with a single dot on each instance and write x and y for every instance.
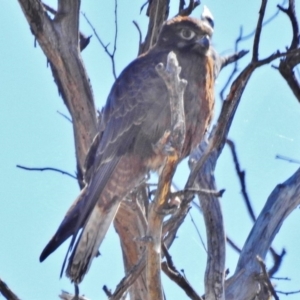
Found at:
(135, 117)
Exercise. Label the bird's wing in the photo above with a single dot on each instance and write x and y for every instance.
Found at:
(130, 124)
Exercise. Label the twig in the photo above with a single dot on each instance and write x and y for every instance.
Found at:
(277, 258)
(233, 58)
(115, 38)
(228, 240)
(287, 64)
(258, 30)
(189, 9)
(191, 191)
(107, 291)
(65, 116)
(288, 293)
(290, 160)
(241, 177)
(105, 47)
(46, 169)
(290, 11)
(198, 232)
(266, 278)
(7, 292)
(140, 36)
(129, 279)
(281, 278)
(269, 20)
(142, 7)
(174, 275)
(235, 68)
(233, 245)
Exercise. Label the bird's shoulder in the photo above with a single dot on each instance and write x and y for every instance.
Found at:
(136, 98)
(132, 87)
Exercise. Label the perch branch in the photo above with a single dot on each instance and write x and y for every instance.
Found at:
(68, 296)
(175, 138)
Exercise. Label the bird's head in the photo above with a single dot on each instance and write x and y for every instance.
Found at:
(185, 34)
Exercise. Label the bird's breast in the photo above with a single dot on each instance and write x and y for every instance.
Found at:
(199, 103)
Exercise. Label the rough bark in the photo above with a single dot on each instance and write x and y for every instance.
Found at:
(58, 38)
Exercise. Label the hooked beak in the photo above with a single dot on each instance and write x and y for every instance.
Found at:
(204, 42)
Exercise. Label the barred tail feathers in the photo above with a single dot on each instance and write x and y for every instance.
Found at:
(90, 240)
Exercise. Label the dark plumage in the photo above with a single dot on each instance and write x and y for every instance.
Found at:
(136, 115)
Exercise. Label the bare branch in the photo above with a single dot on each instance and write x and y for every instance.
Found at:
(186, 193)
(170, 270)
(189, 9)
(241, 176)
(277, 258)
(233, 58)
(115, 39)
(68, 296)
(291, 13)
(58, 39)
(129, 279)
(47, 169)
(198, 232)
(140, 34)
(158, 12)
(180, 281)
(290, 160)
(269, 20)
(6, 292)
(215, 266)
(111, 55)
(265, 278)
(107, 291)
(287, 64)
(176, 87)
(83, 40)
(282, 201)
(233, 245)
(258, 30)
(65, 116)
(235, 69)
(288, 293)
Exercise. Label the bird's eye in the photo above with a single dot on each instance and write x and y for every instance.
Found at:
(187, 34)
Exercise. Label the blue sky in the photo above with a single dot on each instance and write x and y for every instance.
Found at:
(33, 134)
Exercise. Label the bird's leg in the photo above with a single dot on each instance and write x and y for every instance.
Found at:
(76, 291)
(160, 147)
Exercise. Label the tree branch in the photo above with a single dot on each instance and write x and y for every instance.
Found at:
(58, 39)
(258, 30)
(6, 292)
(158, 12)
(282, 201)
(47, 169)
(288, 63)
(176, 87)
